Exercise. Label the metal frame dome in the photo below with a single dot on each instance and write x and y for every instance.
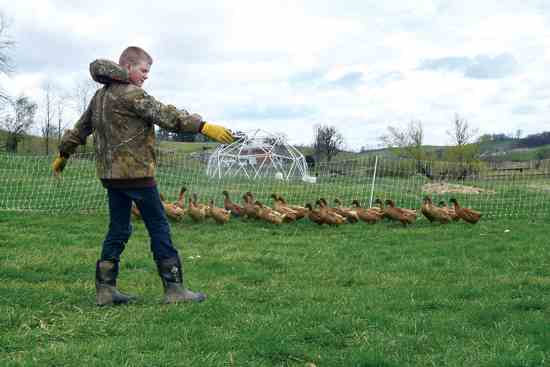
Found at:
(258, 154)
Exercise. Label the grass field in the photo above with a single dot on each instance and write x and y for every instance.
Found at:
(357, 295)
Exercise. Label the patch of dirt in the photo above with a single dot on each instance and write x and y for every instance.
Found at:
(444, 188)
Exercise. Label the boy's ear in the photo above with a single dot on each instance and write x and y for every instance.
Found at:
(126, 66)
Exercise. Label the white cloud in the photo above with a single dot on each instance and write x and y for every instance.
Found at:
(287, 65)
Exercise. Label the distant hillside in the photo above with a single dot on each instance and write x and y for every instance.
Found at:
(501, 149)
(520, 154)
(489, 147)
(30, 144)
(532, 147)
(506, 150)
(35, 145)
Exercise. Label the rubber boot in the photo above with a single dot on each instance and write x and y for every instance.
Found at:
(105, 284)
(171, 274)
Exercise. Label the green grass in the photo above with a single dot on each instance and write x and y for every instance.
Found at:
(357, 295)
(525, 155)
(181, 147)
(36, 145)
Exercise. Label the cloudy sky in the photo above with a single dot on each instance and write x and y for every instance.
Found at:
(284, 66)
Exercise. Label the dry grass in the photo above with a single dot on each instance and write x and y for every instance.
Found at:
(447, 188)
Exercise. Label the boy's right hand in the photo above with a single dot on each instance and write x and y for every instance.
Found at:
(217, 133)
(58, 165)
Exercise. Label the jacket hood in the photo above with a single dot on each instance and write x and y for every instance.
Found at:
(107, 72)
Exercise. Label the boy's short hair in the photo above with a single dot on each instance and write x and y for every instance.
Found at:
(133, 55)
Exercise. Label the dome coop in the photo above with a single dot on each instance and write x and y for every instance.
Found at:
(258, 154)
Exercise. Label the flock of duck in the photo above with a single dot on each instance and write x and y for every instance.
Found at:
(283, 212)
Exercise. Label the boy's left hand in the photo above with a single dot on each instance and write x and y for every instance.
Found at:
(217, 133)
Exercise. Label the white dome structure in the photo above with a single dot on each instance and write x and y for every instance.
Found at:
(258, 154)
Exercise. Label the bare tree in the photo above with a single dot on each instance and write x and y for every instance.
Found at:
(81, 95)
(463, 137)
(60, 106)
(5, 44)
(408, 141)
(17, 118)
(461, 132)
(83, 92)
(327, 141)
(48, 127)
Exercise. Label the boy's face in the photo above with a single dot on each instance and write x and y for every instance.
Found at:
(139, 73)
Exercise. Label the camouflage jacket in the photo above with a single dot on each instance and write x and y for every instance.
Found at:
(121, 117)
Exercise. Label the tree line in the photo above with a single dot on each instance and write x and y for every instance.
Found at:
(405, 142)
(48, 115)
(20, 115)
(408, 142)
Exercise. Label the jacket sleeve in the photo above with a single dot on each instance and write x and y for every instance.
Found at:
(166, 116)
(76, 136)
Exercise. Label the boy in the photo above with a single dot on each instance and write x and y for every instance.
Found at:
(121, 116)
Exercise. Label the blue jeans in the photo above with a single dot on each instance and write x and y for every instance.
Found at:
(148, 202)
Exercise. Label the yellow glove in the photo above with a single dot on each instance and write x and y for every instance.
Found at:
(58, 165)
(217, 133)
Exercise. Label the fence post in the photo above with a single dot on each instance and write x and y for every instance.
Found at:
(373, 180)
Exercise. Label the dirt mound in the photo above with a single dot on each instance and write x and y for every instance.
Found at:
(444, 188)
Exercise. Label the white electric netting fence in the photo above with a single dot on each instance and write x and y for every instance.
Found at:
(26, 184)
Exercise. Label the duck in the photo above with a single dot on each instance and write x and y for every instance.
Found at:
(196, 212)
(279, 207)
(301, 211)
(268, 214)
(350, 214)
(235, 209)
(314, 215)
(329, 216)
(200, 205)
(381, 207)
(180, 203)
(220, 215)
(434, 213)
(172, 211)
(249, 210)
(370, 215)
(409, 211)
(466, 214)
(392, 212)
(450, 211)
(377, 208)
(135, 211)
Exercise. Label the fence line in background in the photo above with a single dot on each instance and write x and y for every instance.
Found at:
(26, 184)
